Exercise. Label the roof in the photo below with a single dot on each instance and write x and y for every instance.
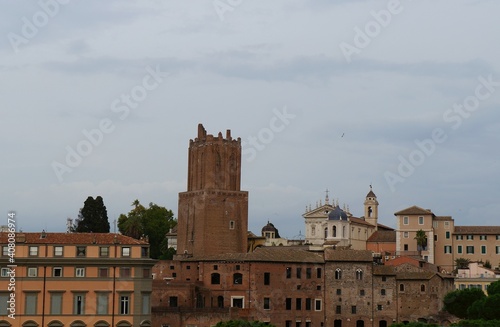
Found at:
(384, 270)
(380, 226)
(348, 255)
(360, 221)
(414, 210)
(383, 236)
(477, 230)
(371, 194)
(415, 275)
(271, 228)
(267, 254)
(73, 238)
(443, 218)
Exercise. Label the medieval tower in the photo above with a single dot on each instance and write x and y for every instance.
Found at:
(213, 213)
(371, 208)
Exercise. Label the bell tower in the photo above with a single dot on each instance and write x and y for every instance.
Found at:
(213, 213)
(371, 208)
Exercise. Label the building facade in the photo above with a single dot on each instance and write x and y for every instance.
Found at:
(80, 279)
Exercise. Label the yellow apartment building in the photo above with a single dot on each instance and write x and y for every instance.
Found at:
(74, 280)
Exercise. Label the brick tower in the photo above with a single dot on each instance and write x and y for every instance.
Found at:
(213, 213)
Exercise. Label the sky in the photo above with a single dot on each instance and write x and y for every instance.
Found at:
(102, 98)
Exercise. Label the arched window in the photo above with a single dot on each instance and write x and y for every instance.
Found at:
(343, 231)
(313, 230)
(359, 274)
(369, 212)
(334, 231)
(237, 279)
(326, 232)
(338, 273)
(401, 287)
(422, 288)
(215, 278)
(220, 301)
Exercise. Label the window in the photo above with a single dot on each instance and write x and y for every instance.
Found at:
(146, 273)
(267, 303)
(58, 251)
(288, 303)
(32, 271)
(483, 237)
(317, 305)
(102, 304)
(57, 272)
(238, 267)
(5, 272)
(498, 237)
(81, 251)
(359, 274)
(483, 249)
(405, 220)
(446, 224)
(231, 224)
(144, 252)
(216, 267)
(420, 220)
(237, 279)
(33, 251)
(498, 249)
(79, 304)
(238, 302)
(299, 272)
(353, 309)
(298, 304)
(435, 224)
(382, 291)
(288, 323)
(288, 272)
(422, 288)
(334, 231)
(308, 273)
(470, 237)
(103, 272)
(361, 292)
(30, 304)
(125, 251)
(384, 278)
(469, 249)
(405, 247)
(173, 302)
(55, 303)
(448, 235)
(339, 291)
(338, 273)
(318, 272)
(435, 238)
(124, 304)
(459, 237)
(125, 272)
(308, 304)
(405, 235)
(447, 249)
(401, 287)
(104, 251)
(338, 309)
(267, 278)
(79, 272)
(215, 278)
(379, 307)
(459, 249)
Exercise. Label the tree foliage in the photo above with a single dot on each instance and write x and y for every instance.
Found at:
(242, 323)
(421, 239)
(93, 217)
(153, 222)
(487, 308)
(414, 324)
(457, 302)
(494, 288)
(462, 263)
(477, 323)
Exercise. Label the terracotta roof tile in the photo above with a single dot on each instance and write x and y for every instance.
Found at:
(443, 218)
(384, 270)
(477, 230)
(415, 275)
(380, 226)
(348, 255)
(360, 221)
(73, 238)
(414, 210)
(383, 236)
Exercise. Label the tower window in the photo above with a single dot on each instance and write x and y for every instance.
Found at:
(231, 224)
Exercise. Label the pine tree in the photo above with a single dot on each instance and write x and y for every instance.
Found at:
(93, 217)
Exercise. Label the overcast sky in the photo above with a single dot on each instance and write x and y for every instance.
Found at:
(102, 97)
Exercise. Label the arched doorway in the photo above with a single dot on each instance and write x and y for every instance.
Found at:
(382, 323)
(360, 323)
(337, 323)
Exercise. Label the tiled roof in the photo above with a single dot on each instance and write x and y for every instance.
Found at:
(383, 236)
(384, 270)
(477, 230)
(267, 254)
(415, 275)
(380, 226)
(360, 221)
(348, 255)
(443, 218)
(72, 238)
(414, 210)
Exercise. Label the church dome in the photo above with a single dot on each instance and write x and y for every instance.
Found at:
(270, 228)
(337, 214)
